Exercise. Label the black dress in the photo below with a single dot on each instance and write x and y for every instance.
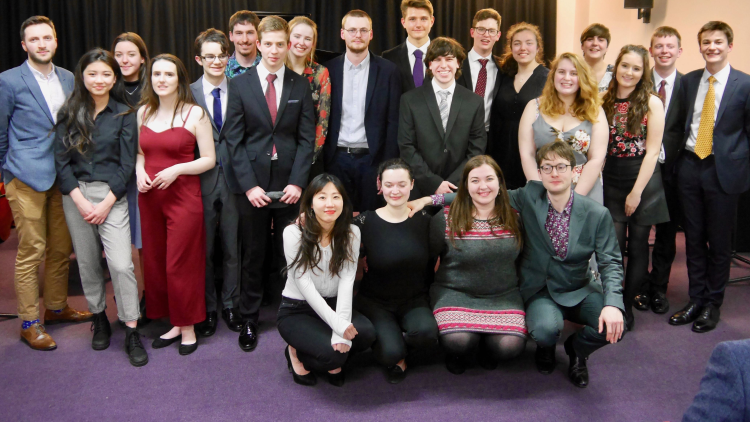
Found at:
(507, 108)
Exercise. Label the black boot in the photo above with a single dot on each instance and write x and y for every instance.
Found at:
(136, 353)
(102, 331)
(578, 372)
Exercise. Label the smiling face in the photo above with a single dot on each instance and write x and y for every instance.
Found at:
(715, 48)
(244, 36)
(483, 43)
(555, 181)
(130, 60)
(327, 204)
(302, 39)
(99, 78)
(164, 78)
(273, 48)
(360, 41)
(397, 186)
(417, 23)
(594, 48)
(566, 78)
(444, 70)
(216, 66)
(665, 51)
(483, 185)
(630, 70)
(40, 43)
(524, 47)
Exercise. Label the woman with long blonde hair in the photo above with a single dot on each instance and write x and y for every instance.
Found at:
(569, 110)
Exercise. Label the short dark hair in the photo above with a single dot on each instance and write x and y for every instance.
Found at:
(37, 20)
(416, 4)
(485, 14)
(442, 47)
(596, 30)
(211, 35)
(717, 26)
(271, 24)
(556, 148)
(666, 31)
(394, 164)
(245, 17)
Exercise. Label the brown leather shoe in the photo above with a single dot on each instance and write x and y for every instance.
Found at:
(37, 338)
(67, 315)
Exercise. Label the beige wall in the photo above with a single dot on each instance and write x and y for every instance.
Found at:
(687, 16)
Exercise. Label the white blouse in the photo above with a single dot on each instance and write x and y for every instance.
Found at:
(316, 284)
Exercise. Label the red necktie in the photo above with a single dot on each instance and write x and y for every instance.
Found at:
(271, 101)
(482, 78)
(663, 92)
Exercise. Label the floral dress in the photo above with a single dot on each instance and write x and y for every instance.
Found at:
(320, 84)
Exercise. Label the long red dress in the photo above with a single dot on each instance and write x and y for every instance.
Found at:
(174, 236)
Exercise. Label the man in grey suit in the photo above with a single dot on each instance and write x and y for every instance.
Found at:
(220, 211)
(30, 96)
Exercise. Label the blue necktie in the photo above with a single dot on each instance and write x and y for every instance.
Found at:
(418, 71)
(217, 108)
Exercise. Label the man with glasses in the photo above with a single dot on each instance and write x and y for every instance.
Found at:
(417, 18)
(211, 91)
(363, 127)
(480, 69)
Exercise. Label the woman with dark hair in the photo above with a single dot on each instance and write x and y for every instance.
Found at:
(475, 296)
(132, 56)
(633, 190)
(95, 149)
(595, 41)
(522, 78)
(174, 246)
(303, 36)
(393, 292)
(316, 317)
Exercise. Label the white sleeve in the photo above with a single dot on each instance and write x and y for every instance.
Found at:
(306, 287)
(346, 286)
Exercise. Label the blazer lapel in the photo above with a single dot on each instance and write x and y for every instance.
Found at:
(728, 91)
(33, 86)
(672, 112)
(542, 208)
(466, 74)
(692, 93)
(432, 104)
(371, 82)
(257, 91)
(336, 72)
(458, 99)
(66, 82)
(577, 219)
(405, 68)
(197, 89)
(286, 92)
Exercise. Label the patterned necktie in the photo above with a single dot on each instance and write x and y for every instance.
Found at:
(418, 70)
(217, 108)
(271, 101)
(663, 92)
(443, 106)
(705, 140)
(482, 78)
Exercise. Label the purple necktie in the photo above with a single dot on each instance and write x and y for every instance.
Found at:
(418, 71)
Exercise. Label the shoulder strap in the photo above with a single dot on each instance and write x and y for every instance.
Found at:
(187, 117)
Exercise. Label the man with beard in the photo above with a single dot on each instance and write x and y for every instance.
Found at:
(243, 32)
(30, 97)
(363, 127)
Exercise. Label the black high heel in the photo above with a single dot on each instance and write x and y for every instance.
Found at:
(308, 380)
(337, 379)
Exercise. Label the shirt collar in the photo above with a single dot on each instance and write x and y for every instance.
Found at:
(263, 72)
(39, 74)
(670, 79)
(474, 56)
(208, 87)
(721, 76)
(348, 65)
(437, 87)
(567, 208)
(411, 47)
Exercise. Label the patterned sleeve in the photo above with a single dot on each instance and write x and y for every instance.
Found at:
(321, 84)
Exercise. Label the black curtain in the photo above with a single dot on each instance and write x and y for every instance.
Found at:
(170, 26)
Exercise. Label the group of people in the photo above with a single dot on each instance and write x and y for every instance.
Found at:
(526, 184)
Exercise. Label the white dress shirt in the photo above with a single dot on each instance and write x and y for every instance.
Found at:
(313, 286)
(51, 88)
(491, 67)
(278, 83)
(410, 48)
(719, 85)
(668, 88)
(209, 97)
(352, 133)
(451, 89)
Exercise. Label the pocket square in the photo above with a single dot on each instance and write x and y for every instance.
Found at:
(292, 101)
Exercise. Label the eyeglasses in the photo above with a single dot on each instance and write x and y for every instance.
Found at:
(561, 168)
(353, 31)
(481, 31)
(210, 57)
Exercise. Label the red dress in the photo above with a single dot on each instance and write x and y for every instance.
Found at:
(174, 236)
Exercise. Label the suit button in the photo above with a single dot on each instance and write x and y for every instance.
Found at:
(268, 153)
(445, 150)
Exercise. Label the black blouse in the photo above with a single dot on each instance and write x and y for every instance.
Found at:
(132, 92)
(110, 159)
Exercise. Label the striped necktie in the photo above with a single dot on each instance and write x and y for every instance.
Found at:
(443, 106)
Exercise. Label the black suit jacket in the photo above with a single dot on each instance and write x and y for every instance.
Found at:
(209, 178)
(399, 55)
(465, 78)
(435, 154)
(250, 135)
(381, 108)
(670, 142)
(731, 140)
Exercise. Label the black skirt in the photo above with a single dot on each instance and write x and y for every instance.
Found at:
(619, 177)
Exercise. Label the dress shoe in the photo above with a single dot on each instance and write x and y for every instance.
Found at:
(337, 380)
(307, 380)
(68, 314)
(248, 336)
(707, 320)
(164, 342)
(577, 370)
(102, 331)
(629, 320)
(186, 349)
(37, 338)
(143, 320)
(642, 302)
(395, 374)
(207, 328)
(545, 359)
(455, 364)
(233, 319)
(136, 352)
(688, 314)
(659, 303)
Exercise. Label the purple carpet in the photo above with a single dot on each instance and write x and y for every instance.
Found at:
(652, 375)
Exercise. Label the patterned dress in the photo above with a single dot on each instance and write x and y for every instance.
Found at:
(476, 285)
(320, 84)
(235, 69)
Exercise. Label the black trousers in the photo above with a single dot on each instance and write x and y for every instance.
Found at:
(665, 243)
(255, 230)
(302, 328)
(399, 327)
(359, 177)
(709, 217)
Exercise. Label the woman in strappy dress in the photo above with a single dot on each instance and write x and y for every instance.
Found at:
(174, 246)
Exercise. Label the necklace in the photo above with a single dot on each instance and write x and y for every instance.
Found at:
(133, 91)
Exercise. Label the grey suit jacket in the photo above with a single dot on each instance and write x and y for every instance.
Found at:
(26, 137)
(208, 179)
